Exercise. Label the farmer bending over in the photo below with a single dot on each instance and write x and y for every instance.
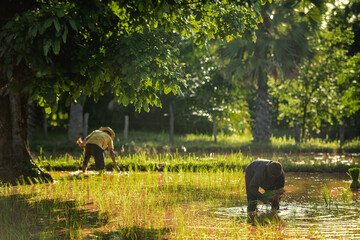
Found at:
(95, 145)
(268, 175)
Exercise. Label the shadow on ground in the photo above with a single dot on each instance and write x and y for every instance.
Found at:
(24, 217)
(132, 233)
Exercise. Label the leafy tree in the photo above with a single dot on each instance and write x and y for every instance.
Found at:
(326, 89)
(55, 49)
(281, 44)
(208, 93)
(344, 15)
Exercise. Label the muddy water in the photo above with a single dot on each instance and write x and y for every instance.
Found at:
(331, 212)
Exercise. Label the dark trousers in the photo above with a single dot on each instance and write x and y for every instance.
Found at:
(98, 154)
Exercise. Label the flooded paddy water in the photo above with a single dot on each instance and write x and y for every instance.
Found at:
(180, 205)
(321, 203)
(314, 158)
(314, 206)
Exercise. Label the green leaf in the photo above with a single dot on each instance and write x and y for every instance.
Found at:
(48, 110)
(65, 87)
(64, 36)
(73, 24)
(167, 90)
(158, 102)
(46, 46)
(56, 46)
(57, 25)
(48, 22)
(146, 107)
(125, 100)
(60, 12)
(34, 31)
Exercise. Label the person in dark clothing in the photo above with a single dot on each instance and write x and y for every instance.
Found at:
(268, 175)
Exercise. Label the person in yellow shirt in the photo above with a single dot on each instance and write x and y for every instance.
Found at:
(95, 145)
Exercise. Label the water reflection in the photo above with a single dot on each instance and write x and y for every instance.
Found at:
(315, 158)
(304, 206)
(355, 194)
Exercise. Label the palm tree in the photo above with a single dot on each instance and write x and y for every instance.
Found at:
(280, 46)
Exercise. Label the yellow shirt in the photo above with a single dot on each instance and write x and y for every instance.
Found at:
(100, 138)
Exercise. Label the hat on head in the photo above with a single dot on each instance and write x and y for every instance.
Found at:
(109, 130)
(274, 169)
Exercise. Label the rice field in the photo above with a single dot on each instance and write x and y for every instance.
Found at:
(168, 204)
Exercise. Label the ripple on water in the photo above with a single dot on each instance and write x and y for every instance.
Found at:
(303, 208)
(342, 222)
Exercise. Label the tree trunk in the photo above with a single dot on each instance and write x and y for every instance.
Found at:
(171, 122)
(262, 117)
(342, 135)
(126, 128)
(86, 125)
(75, 130)
(296, 132)
(15, 158)
(33, 119)
(215, 130)
(304, 127)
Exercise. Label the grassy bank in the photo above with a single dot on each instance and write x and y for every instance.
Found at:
(152, 151)
(158, 143)
(192, 162)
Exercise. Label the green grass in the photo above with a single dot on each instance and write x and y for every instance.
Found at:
(158, 143)
(192, 162)
(170, 191)
(153, 151)
(143, 205)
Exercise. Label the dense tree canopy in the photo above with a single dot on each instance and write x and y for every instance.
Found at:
(72, 47)
(54, 49)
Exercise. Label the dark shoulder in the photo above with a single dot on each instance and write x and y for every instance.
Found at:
(258, 164)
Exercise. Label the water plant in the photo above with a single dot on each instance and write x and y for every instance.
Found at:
(162, 197)
(173, 204)
(326, 196)
(354, 175)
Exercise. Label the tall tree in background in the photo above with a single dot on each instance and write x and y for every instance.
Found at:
(55, 49)
(346, 16)
(281, 44)
(327, 89)
(208, 93)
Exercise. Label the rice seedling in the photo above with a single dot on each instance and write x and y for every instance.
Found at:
(354, 175)
(326, 197)
(170, 196)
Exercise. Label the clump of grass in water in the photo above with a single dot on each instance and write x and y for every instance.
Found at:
(174, 204)
(326, 197)
(354, 175)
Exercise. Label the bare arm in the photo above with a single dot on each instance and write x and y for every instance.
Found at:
(112, 156)
(253, 187)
